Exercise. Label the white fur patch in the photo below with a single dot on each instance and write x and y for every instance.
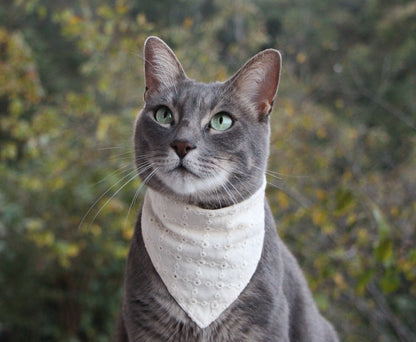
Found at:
(188, 184)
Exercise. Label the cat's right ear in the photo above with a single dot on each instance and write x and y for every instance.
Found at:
(258, 80)
(161, 67)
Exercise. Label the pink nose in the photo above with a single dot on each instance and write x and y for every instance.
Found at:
(182, 147)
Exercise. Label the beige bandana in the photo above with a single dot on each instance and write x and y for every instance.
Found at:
(204, 257)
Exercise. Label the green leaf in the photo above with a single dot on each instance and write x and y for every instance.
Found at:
(382, 224)
(390, 281)
(384, 251)
(363, 280)
(344, 201)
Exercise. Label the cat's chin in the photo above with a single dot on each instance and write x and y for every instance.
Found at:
(184, 183)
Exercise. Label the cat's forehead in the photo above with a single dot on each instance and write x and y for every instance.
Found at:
(192, 94)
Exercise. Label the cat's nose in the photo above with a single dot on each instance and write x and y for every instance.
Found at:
(182, 147)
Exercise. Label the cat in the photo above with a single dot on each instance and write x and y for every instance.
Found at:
(202, 151)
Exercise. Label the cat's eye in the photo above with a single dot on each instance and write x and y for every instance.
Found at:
(164, 116)
(221, 121)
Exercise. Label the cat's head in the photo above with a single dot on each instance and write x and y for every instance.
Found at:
(205, 144)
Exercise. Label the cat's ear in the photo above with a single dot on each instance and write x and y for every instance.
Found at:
(161, 67)
(258, 80)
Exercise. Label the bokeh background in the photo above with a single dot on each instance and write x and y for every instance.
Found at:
(342, 167)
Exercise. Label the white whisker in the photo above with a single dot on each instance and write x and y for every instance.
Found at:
(303, 201)
(138, 191)
(109, 148)
(115, 194)
(101, 196)
(236, 190)
(229, 193)
(136, 194)
(117, 173)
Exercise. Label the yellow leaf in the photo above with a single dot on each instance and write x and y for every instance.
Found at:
(42, 239)
(42, 12)
(283, 200)
(8, 151)
(362, 235)
(340, 281)
(121, 9)
(351, 219)
(72, 251)
(321, 133)
(95, 230)
(222, 74)
(57, 183)
(187, 23)
(320, 194)
(328, 229)
(120, 252)
(73, 20)
(128, 233)
(318, 217)
(339, 103)
(33, 224)
(395, 211)
(141, 19)
(289, 109)
(301, 57)
(103, 127)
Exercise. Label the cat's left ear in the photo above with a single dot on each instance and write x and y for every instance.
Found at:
(161, 67)
(258, 80)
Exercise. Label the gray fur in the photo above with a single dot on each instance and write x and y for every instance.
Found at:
(276, 305)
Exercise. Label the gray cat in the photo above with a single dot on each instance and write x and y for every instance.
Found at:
(205, 147)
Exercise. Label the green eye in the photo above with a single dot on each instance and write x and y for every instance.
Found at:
(164, 116)
(221, 122)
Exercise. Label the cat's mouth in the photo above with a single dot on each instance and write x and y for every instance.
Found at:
(183, 170)
(186, 178)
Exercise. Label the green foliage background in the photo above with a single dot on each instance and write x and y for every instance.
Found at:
(343, 157)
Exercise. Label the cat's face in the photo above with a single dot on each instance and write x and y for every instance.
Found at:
(205, 144)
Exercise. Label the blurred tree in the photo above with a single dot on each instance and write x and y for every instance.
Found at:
(358, 58)
(59, 280)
